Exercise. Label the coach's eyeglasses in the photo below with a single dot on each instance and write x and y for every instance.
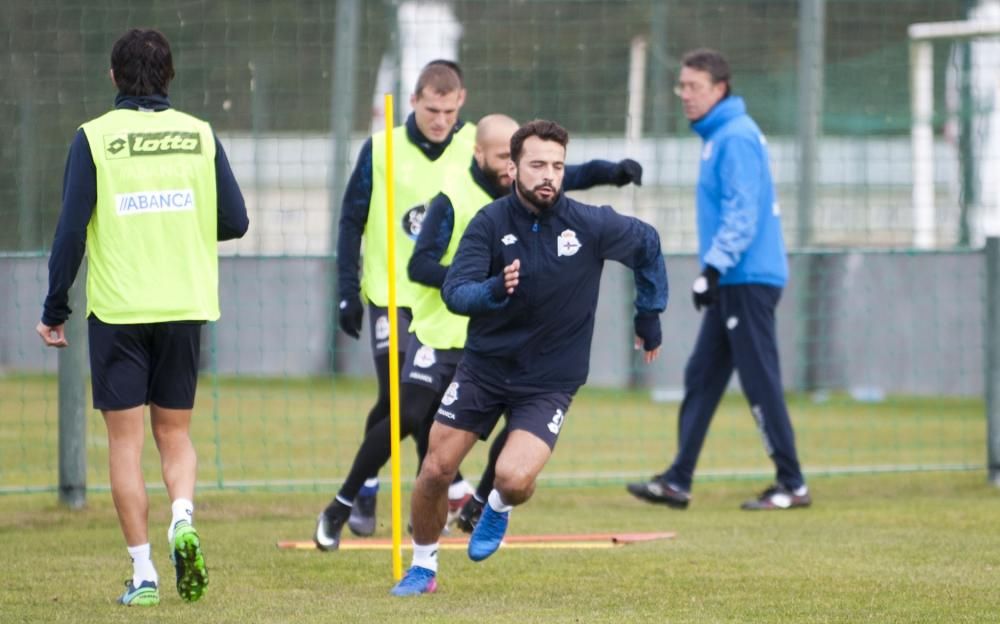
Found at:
(694, 88)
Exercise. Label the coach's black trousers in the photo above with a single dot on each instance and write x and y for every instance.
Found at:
(737, 332)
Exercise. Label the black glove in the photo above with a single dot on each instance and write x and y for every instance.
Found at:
(705, 290)
(647, 327)
(627, 171)
(352, 312)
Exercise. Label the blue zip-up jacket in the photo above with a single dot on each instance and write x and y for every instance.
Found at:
(80, 197)
(357, 199)
(539, 337)
(439, 223)
(739, 223)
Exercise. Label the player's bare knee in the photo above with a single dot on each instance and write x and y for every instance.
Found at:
(169, 435)
(436, 471)
(515, 485)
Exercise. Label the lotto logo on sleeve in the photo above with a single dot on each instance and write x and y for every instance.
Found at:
(145, 202)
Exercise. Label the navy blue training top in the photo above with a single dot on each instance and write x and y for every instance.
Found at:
(539, 337)
(439, 223)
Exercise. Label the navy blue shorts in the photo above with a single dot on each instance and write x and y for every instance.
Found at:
(133, 365)
(474, 405)
(378, 323)
(429, 367)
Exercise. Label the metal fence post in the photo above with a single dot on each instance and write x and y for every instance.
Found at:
(72, 399)
(812, 34)
(991, 373)
(344, 86)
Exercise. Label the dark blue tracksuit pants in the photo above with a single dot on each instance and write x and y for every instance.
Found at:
(738, 331)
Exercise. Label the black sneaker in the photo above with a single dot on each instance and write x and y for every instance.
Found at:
(657, 490)
(328, 529)
(362, 519)
(469, 515)
(779, 497)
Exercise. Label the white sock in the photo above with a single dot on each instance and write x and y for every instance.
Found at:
(496, 502)
(802, 490)
(142, 565)
(180, 509)
(459, 489)
(426, 556)
(373, 482)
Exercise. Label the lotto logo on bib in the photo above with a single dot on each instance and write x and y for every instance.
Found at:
(125, 145)
(144, 202)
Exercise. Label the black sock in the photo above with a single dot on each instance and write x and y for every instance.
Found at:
(336, 510)
(375, 448)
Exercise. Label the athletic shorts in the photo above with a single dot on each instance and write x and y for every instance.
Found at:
(474, 405)
(133, 365)
(378, 323)
(429, 367)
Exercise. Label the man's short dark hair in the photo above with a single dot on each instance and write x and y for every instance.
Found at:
(711, 62)
(441, 77)
(142, 62)
(541, 128)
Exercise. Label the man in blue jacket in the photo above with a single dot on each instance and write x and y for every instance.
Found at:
(527, 272)
(742, 253)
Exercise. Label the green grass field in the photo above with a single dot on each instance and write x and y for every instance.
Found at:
(917, 547)
(301, 434)
(904, 528)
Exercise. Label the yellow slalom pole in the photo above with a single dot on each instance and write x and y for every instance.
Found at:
(397, 494)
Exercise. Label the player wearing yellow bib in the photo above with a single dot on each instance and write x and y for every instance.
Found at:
(437, 335)
(432, 141)
(148, 192)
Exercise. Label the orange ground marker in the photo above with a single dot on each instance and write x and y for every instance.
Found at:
(585, 540)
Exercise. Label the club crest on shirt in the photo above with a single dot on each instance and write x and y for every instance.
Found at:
(451, 394)
(413, 220)
(382, 327)
(567, 243)
(424, 357)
